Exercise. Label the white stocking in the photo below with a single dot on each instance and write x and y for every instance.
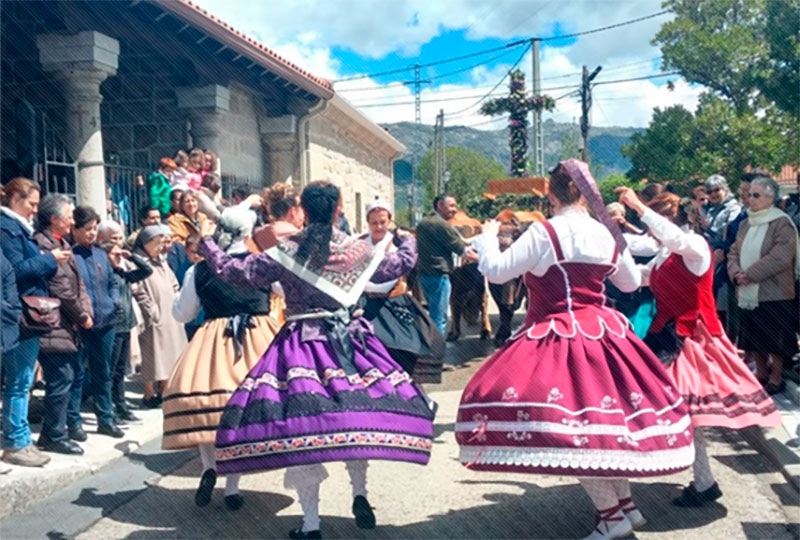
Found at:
(306, 479)
(622, 487)
(232, 484)
(208, 456)
(703, 477)
(601, 491)
(358, 476)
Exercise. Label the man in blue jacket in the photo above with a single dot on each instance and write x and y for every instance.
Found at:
(97, 343)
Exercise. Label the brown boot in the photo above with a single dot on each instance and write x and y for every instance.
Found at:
(25, 457)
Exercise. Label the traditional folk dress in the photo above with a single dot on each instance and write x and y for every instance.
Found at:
(574, 391)
(326, 389)
(403, 326)
(716, 384)
(236, 331)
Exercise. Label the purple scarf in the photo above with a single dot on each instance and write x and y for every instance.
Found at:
(578, 171)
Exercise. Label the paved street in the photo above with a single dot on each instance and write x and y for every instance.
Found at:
(149, 495)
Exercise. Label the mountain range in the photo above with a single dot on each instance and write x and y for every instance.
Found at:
(560, 141)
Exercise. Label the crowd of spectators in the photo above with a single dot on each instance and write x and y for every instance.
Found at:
(753, 235)
(84, 299)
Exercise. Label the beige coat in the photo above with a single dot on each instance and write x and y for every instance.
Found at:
(774, 271)
(163, 339)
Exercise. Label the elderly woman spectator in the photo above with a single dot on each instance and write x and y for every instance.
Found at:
(189, 220)
(59, 349)
(763, 264)
(129, 269)
(97, 342)
(32, 270)
(163, 339)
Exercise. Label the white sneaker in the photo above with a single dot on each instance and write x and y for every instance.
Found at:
(612, 524)
(633, 514)
(4, 469)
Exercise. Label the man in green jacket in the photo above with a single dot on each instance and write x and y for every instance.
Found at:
(437, 243)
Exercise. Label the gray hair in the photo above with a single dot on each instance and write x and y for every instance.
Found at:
(615, 207)
(108, 226)
(52, 205)
(770, 186)
(717, 181)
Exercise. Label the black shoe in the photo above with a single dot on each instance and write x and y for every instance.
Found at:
(127, 416)
(112, 430)
(691, 498)
(773, 389)
(234, 502)
(207, 482)
(60, 447)
(365, 517)
(298, 534)
(151, 403)
(77, 434)
(119, 421)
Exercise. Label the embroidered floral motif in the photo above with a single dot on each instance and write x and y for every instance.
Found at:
(574, 423)
(636, 400)
(670, 392)
(479, 433)
(325, 441)
(580, 440)
(519, 436)
(522, 416)
(395, 378)
(510, 394)
(671, 440)
(554, 395)
(627, 439)
(607, 402)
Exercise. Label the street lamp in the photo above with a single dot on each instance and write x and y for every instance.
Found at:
(411, 204)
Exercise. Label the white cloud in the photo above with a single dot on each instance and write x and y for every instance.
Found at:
(305, 32)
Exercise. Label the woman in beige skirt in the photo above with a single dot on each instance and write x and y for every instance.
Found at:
(236, 332)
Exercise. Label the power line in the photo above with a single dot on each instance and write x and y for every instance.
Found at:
(502, 47)
(609, 27)
(496, 86)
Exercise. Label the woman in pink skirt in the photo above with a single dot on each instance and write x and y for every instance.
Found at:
(574, 392)
(687, 334)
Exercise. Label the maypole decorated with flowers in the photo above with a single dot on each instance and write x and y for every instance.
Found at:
(518, 105)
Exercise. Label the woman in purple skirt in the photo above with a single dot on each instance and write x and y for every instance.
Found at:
(326, 389)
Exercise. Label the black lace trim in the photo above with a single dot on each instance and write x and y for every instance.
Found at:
(260, 411)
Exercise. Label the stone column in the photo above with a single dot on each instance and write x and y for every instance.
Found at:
(281, 152)
(82, 62)
(205, 106)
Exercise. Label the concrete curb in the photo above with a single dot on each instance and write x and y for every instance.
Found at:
(25, 486)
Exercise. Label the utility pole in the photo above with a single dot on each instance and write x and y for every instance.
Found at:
(586, 106)
(417, 84)
(439, 157)
(537, 139)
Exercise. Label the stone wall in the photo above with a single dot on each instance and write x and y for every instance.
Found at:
(357, 180)
(240, 148)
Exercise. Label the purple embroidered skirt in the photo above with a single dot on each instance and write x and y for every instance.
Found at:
(297, 406)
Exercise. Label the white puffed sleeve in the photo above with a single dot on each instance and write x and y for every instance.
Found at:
(692, 247)
(187, 304)
(521, 257)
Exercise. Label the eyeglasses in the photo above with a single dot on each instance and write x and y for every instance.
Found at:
(714, 190)
(754, 195)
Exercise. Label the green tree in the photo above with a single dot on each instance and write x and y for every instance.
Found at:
(469, 171)
(612, 182)
(780, 80)
(664, 150)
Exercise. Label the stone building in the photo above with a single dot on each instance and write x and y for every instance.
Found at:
(94, 93)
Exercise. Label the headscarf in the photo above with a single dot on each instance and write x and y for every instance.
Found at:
(578, 171)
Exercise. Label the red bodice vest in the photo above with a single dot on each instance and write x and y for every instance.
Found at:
(683, 297)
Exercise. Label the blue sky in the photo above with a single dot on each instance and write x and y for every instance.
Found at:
(356, 38)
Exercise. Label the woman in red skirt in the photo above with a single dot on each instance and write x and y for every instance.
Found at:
(687, 334)
(574, 392)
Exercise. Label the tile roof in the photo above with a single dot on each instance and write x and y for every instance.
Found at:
(247, 46)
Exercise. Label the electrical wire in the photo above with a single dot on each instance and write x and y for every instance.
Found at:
(511, 44)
